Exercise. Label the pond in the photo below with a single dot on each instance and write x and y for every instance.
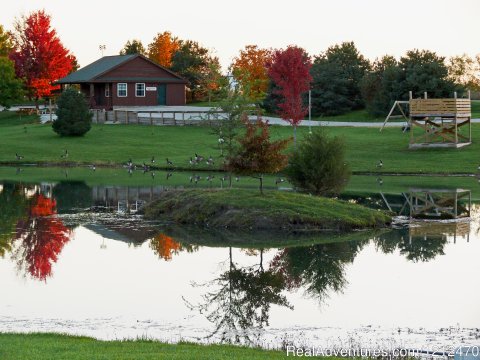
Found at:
(76, 257)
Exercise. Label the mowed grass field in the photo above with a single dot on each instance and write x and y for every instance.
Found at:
(115, 144)
(53, 347)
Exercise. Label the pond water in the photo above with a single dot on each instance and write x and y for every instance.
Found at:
(76, 257)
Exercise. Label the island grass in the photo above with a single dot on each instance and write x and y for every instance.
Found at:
(248, 209)
(56, 346)
(114, 144)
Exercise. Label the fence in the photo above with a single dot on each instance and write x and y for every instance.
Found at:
(158, 117)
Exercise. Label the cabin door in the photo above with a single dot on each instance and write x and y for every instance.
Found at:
(162, 94)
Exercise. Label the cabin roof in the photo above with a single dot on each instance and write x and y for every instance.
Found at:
(104, 65)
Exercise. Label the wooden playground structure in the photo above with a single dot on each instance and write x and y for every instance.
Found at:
(440, 121)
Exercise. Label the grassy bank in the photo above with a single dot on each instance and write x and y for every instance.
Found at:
(52, 347)
(247, 209)
(115, 144)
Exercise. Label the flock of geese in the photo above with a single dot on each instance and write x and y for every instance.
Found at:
(194, 161)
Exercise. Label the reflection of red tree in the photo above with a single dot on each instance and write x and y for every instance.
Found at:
(42, 238)
(164, 246)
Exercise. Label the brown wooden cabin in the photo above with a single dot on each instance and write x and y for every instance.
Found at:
(127, 80)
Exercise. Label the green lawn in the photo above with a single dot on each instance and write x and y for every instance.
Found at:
(53, 347)
(115, 144)
(475, 109)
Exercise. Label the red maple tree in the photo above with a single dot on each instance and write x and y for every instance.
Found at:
(289, 69)
(39, 56)
(257, 154)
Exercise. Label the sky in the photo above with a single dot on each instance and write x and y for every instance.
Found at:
(377, 27)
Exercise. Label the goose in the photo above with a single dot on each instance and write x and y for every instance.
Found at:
(19, 170)
(153, 160)
(129, 163)
(153, 175)
(198, 158)
(169, 175)
(210, 178)
(380, 181)
(210, 161)
(237, 178)
(380, 164)
(145, 168)
(65, 154)
(93, 167)
(170, 163)
(279, 181)
(192, 162)
(19, 157)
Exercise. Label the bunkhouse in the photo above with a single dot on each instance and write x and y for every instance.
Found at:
(127, 80)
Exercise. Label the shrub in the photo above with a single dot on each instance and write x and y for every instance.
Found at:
(318, 166)
(73, 115)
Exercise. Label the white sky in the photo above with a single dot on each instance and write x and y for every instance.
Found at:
(376, 26)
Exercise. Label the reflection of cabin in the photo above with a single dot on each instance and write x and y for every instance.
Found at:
(440, 122)
(124, 199)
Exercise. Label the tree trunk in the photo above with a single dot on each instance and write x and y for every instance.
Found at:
(261, 184)
(295, 137)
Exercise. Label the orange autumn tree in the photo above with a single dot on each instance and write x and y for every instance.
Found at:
(162, 48)
(257, 154)
(42, 237)
(249, 69)
(165, 246)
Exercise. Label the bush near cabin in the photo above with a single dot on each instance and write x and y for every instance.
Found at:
(73, 115)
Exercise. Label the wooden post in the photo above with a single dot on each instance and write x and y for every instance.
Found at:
(138, 118)
(183, 117)
(470, 129)
(151, 120)
(50, 109)
(163, 120)
(126, 117)
(456, 129)
(425, 95)
(454, 94)
(469, 94)
(410, 95)
(114, 116)
(174, 118)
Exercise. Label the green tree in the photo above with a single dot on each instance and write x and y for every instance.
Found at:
(319, 165)
(195, 63)
(424, 71)
(133, 47)
(73, 116)
(337, 74)
(380, 87)
(418, 71)
(6, 44)
(11, 88)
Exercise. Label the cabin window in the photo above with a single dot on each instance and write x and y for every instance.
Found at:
(122, 89)
(140, 90)
(107, 90)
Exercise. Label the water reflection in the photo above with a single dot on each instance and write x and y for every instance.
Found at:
(39, 235)
(241, 293)
(239, 304)
(428, 203)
